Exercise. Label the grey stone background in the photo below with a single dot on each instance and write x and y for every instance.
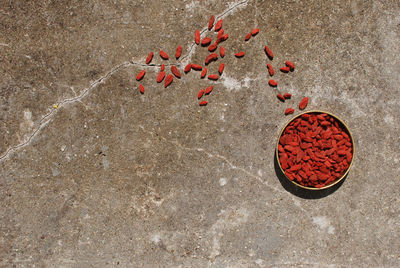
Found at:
(111, 178)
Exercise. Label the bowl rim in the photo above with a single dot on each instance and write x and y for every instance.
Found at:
(352, 142)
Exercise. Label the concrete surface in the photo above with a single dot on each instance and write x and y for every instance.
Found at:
(110, 177)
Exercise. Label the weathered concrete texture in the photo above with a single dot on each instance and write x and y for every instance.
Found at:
(112, 177)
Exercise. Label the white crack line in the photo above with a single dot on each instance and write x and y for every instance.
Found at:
(232, 166)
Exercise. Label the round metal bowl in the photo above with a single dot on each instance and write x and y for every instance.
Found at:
(337, 180)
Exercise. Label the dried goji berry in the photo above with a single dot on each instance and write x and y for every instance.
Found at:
(303, 174)
(175, 71)
(284, 163)
(255, 31)
(280, 97)
(285, 69)
(203, 73)
(196, 67)
(269, 53)
(222, 51)
(220, 33)
(280, 148)
(324, 169)
(140, 75)
(208, 90)
(203, 103)
(303, 103)
(178, 52)
(221, 68)
(289, 111)
(188, 68)
(338, 137)
(213, 77)
(218, 26)
(160, 77)
(290, 176)
(295, 168)
(222, 38)
(272, 83)
(287, 96)
(341, 142)
(197, 37)
(206, 41)
(270, 69)
(290, 65)
(349, 156)
(149, 57)
(212, 47)
(168, 80)
(141, 88)
(162, 67)
(211, 57)
(239, 54)
(200, 94)
(211, 22)
(164, 55)
(247, 37)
